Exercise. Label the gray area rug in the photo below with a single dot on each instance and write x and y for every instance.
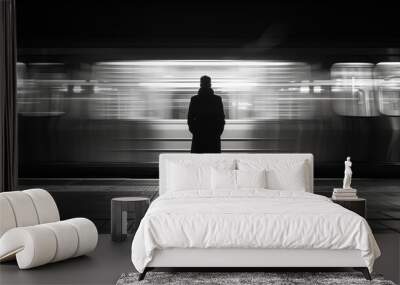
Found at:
(232, 278)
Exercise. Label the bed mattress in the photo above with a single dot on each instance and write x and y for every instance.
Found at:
(250, 219)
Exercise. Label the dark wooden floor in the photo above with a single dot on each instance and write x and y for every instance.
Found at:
(103, 266)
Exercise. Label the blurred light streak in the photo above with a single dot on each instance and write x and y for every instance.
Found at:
(161, 89)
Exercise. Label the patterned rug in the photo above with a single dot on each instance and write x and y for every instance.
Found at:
(243, 278)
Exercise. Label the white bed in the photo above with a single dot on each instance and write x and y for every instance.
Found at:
(283, 225)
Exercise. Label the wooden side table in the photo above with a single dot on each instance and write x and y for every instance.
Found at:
(358, 205)
(124, 209)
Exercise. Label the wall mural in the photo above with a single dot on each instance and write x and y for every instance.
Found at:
(113, 118)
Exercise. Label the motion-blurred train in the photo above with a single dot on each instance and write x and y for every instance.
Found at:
(112, 119)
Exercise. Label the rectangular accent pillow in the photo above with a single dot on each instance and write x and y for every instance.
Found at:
(251, 178)
(223, 179)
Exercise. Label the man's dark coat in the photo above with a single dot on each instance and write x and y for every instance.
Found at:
(206, 120)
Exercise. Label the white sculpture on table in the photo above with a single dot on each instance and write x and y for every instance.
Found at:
(347, 174)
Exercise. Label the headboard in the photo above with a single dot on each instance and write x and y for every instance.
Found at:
(170, 157)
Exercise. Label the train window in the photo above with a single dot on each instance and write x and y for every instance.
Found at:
(353, 90)
(388, 87)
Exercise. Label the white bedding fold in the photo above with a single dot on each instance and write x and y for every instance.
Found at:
(250, 219)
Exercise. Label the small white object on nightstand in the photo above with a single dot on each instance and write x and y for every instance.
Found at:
(345, 193)
(347, 174)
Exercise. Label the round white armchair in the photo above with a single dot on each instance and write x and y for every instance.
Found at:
(31, 230)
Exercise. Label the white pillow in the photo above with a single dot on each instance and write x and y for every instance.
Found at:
(188, 177)
(223, 179)
(281, 174)
(251, 178)
(289, 177)
(187, 174)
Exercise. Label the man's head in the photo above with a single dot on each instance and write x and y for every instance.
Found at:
(205, 81)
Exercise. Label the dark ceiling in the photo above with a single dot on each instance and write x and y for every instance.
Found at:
(121, 24)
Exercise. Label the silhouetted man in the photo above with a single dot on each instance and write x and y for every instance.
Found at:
(206, 119)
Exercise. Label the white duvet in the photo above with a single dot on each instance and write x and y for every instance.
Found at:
(250, 219)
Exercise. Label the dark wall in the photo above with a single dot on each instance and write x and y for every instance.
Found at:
(166, 23)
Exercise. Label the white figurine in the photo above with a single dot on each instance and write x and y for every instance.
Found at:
(347, 174)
